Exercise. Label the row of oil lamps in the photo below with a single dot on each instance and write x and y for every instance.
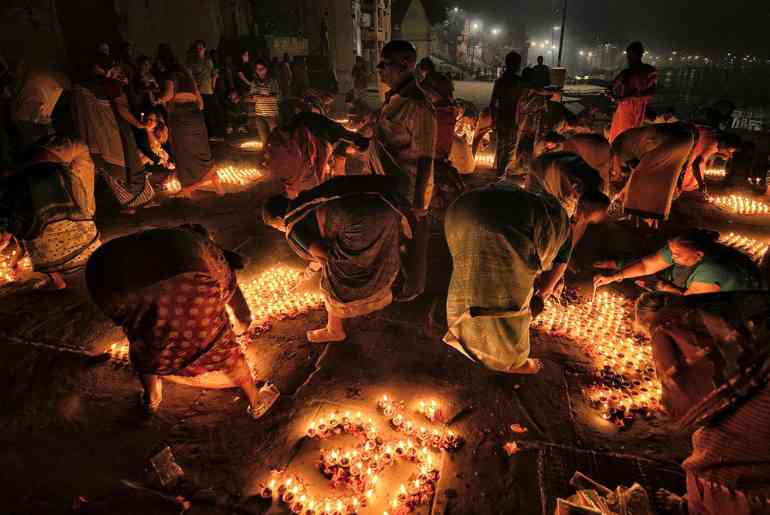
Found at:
(753, 248)
(626, 382)
(270, 296)
(485, 158)
(740, 205)
(229, 175)
(357, 469)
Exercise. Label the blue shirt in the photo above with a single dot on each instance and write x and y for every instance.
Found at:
(710, 270)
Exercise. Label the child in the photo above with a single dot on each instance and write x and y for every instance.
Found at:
(152, 141)
(234, 113)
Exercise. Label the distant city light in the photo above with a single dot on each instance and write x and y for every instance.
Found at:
(582, 53)
(556, 27)
(496, 31)
(455, 9)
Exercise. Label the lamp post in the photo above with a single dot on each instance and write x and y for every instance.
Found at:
(561, 36)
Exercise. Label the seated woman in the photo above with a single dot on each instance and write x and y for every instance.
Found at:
(50, 205)
(174, 306)
(711, 355)
(502, 238)
(353, 227)
(695, 263)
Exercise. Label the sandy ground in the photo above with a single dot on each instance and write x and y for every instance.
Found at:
(71, 430)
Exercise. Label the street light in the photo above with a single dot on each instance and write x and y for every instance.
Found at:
(496, 31)
(582, 53)
(456, 9)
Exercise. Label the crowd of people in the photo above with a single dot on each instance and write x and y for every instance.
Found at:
(365, 236)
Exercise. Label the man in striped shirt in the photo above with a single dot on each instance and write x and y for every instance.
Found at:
(266, 94)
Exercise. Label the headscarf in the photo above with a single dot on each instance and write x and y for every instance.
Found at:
(549, 174)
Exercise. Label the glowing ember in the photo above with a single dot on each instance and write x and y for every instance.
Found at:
(357, 470)
(740, 205)
(238, 176)
(603, 331)
(485, 158)
(754, 248)
(251, 145)
(270, 296)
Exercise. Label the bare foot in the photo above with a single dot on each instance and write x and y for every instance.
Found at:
(531, 366)
(51, 282)
(267, 395)
(325, 335)
(150, 402)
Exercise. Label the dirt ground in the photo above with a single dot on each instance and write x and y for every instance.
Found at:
(71, 432)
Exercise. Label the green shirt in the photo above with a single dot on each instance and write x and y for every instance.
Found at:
(202, 70)
(711, 270)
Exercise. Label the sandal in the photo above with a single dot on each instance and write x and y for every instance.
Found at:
(268, 394)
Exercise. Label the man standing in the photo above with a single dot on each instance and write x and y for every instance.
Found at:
(204, 74)
(541, 74)
(403, 145)
(632, 90)
(506, 93)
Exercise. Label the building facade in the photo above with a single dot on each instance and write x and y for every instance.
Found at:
(410, 22)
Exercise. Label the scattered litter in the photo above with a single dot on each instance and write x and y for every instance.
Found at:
(165, 469)
(511, 448)
(596, 499)
(518, 428)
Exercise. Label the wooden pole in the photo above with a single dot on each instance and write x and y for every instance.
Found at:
(561, 36)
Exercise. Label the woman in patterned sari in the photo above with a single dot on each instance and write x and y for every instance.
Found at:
(173, 307)
(49, 204)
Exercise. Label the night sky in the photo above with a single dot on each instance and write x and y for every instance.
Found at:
(713, 26)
